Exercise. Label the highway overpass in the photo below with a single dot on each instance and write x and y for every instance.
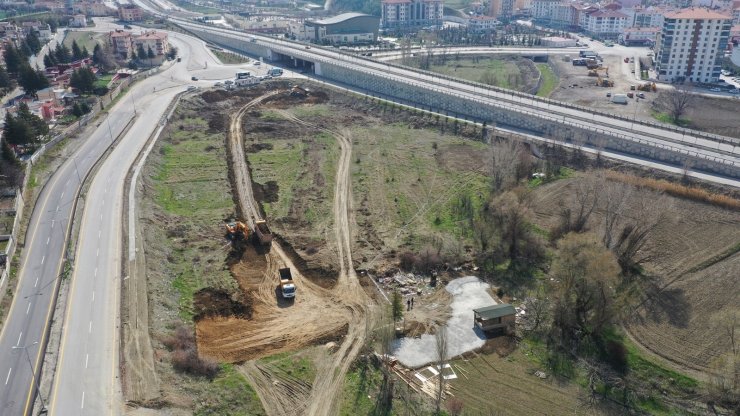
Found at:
(713, 154)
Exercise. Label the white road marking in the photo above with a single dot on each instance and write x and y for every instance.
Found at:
(86, 358)
(96, 272)
(52, 223)
(93, 297)
(19, 339)
(82, 406)
(62, 196)
(37, 282)
(28, 308)
(99, 234)
(42, 259)
(89, 328)
(101, 217)
(47, 240)
(57, 208)
(8, 377)
(97, 252)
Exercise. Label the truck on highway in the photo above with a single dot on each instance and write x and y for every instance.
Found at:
(619, 99)
(263, 233)
(275, 72)
(287, 287)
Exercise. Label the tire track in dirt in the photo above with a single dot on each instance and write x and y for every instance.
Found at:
(317, 313)
(331, 373)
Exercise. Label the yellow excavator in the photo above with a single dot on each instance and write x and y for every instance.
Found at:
(601, 82)
(237, 230)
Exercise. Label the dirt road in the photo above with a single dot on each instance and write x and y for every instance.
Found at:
(317, 314)
(330, 377)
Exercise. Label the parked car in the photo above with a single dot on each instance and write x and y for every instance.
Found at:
(608, 94)
(193, 78)
(641, 95)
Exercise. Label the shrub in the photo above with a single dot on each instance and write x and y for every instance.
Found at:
(408, 261)
(185, 354)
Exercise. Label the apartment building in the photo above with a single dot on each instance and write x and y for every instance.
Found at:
(403, 14)
(158, 42)
(646, 17)
(542, 10)
(130, 13)
(122, 43)
(501, 9)
(608, 24)
(691, 45)
(480, 24)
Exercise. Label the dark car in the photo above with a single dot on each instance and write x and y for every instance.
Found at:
(193, 78)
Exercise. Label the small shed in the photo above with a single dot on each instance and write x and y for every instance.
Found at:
(495, 318)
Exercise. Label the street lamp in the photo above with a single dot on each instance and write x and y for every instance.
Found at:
(33, 373)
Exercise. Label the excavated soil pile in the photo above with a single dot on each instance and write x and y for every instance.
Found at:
(209, 303)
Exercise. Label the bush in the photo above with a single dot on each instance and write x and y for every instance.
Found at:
(616, 355)
(408, 261)
(185, 354)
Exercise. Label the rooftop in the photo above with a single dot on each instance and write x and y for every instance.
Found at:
(495, 311)
(339, 18)
(608, 13)
(696, 14)
(642, 29)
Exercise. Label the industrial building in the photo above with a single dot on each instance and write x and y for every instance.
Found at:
(344, 29)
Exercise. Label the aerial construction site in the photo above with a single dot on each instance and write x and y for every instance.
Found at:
(311, 251)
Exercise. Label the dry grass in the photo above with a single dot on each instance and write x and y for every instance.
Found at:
(676, 189)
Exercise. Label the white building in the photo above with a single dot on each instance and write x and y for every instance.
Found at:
(605, 23)
(401, 14)
(542, 9)
(632, 36)
(645, 17)
(480, 24)
(557, 42)
(691, 45)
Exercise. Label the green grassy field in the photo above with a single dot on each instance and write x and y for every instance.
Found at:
(229, 394)
(229, 58)
(549, 80)
(192, 187)
(494, 71)
(298, 364)
(413, 179)
(84, 39)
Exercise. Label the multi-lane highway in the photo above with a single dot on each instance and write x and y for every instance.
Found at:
(88, 352)
(691, 144)
(25, 329)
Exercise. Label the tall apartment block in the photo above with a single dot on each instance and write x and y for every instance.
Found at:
(407, 14)
(691, 45)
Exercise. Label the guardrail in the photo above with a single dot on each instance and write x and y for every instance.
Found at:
(294, 50)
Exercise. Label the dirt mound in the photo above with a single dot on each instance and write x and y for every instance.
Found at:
(266, 193)
(211, 303)
(256, 147)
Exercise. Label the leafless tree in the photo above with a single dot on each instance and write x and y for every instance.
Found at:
(675, 102)
(386, 333)
(614, 202)
(586, 199)
(440, 340)
(645, 213)
(504, 158)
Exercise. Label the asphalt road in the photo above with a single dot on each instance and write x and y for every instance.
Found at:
(686, 142)
(86, 381)
(88, 356)
(38, 276)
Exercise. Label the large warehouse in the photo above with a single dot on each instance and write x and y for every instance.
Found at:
(347, 28)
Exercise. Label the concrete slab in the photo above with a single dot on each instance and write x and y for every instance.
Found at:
(467, 293)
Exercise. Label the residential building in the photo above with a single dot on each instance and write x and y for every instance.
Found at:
(158, 42)
(403, 14)
(78, 20)
(501, 9)
(645, 17)
(736, 15)
(347, 28)
(480, 24)
(93, 9)
(606, 24)
(495, 318)
(130, 13)
(122, 43)
(542, 10)
(691, 45)
(633, 36)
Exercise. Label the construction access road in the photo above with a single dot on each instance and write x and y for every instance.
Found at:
(317, 312)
